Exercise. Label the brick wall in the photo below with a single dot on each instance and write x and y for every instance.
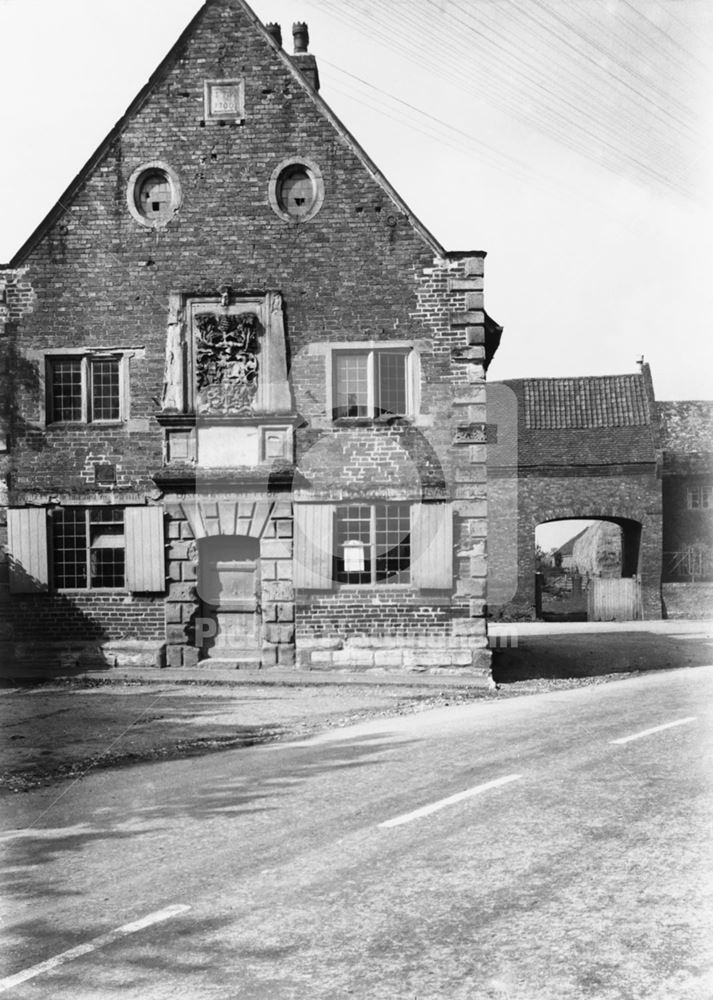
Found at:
(360, 270)
(393, 612)
(688, 600)
(87, 617)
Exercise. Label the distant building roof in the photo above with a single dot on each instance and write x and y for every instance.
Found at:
(567, 548)
(582, 403)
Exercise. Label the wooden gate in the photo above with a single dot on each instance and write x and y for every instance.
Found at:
(614, 600)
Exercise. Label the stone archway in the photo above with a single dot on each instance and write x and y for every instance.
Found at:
(535, 499)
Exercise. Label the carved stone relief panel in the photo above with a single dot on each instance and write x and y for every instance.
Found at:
(226, 356)
(227, 363)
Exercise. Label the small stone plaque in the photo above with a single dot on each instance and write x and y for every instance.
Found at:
(224, 100)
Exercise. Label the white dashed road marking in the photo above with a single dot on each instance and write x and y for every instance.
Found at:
(451, 800)
(656, 729)
(85, 949)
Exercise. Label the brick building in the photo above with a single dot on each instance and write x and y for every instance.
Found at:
(602, 448)
(245, 403)
(572, 448)
(686, 464)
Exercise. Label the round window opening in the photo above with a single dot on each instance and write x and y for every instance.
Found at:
(296, 190)
(154, 194)
(154, 198)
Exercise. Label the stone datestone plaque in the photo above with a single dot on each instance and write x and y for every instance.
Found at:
(224, 100)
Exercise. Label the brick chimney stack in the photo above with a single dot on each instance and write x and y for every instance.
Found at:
(300, 36)
(306, 63)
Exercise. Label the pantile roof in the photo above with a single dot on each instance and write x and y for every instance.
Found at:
(584, 403)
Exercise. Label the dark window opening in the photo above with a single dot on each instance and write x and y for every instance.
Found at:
(88, 548)
(154, 195)
(84, 389)
(66, 389)
(105, 389)
(296, 191)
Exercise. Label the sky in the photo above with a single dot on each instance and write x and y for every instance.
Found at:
(570, 139)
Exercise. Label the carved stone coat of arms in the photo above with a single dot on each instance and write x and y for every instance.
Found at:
(227, 363)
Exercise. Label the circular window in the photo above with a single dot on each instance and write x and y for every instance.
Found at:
(154, 194)
(296, 190)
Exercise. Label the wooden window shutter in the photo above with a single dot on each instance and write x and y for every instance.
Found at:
(314, 542)
(145, 556)
(27, 547)
(432, 546)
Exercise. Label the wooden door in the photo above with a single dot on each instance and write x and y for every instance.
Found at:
(229, 590)
(614, 600)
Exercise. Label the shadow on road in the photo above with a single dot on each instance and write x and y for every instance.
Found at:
(579, 654)
(161, 798)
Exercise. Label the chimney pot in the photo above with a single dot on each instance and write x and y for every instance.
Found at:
(300, 37)
(275, 30)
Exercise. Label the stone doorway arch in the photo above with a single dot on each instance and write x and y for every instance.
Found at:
(231, 557)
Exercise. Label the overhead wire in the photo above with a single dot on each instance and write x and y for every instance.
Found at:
(581, 53)
(574, 127)
(527, 173)
(669, 12)
(588, 124)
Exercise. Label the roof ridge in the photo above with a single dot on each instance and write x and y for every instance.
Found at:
(573, 378)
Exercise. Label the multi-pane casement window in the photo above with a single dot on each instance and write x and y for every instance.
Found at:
(88, 550)
(83, 548)
(85, 388)
(373, 543)
(699, 497)
(371, 383)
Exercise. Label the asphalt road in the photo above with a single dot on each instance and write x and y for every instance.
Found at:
(496, 851)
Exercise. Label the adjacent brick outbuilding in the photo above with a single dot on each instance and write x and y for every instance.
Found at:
(572, 448)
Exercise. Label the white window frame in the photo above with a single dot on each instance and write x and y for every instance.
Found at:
(371, 545)
(699, 497)
(371, 348)
(87, 358)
